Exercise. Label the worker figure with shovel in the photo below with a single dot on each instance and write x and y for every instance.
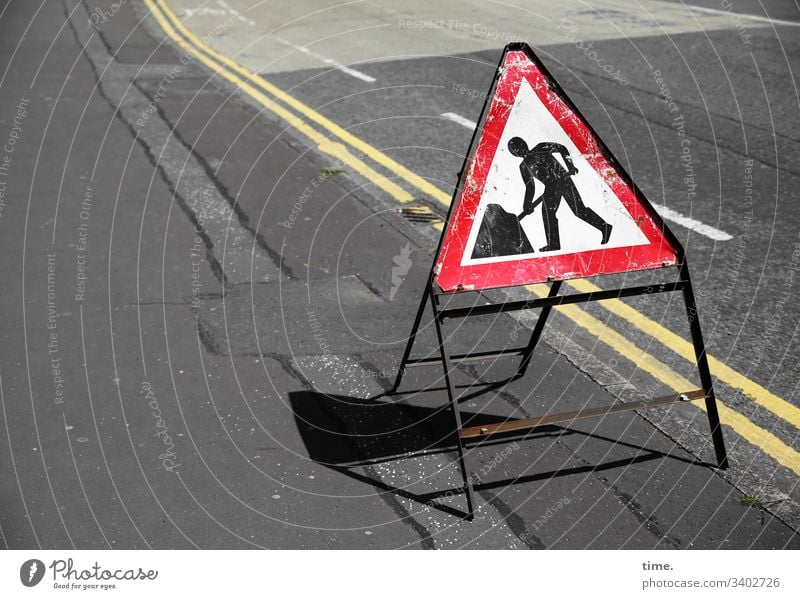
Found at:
(540, 163)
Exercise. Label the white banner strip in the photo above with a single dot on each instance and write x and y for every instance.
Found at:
(370, 574)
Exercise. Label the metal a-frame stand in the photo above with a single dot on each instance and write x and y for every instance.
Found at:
(433, 294)
(554, 298)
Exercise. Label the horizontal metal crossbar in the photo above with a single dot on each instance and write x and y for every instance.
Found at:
(473, 432)
(474, 357)
(560, 300)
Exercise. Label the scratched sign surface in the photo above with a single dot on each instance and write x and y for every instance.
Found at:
(540, 198)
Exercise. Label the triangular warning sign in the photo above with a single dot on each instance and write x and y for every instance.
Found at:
(541, 197)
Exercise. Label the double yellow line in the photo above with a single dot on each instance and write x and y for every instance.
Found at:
(341, 144)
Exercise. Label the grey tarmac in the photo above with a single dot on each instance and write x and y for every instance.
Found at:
(202, 319)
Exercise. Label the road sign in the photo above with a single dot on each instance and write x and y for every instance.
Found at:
(542, 198)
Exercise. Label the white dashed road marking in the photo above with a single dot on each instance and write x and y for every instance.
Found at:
(336, 65)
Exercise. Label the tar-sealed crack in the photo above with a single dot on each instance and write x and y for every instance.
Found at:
(243, 218)
(214, 264)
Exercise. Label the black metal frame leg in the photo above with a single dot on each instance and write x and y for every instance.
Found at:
(537, 332)
(462, 458)
(702, 366)
(412, 337)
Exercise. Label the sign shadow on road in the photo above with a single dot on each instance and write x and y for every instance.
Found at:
(349, 435)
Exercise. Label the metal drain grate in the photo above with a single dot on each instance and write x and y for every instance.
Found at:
(420, 213)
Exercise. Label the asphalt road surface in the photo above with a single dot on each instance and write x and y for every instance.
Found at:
(217, 219)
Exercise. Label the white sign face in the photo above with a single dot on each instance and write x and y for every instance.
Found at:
(574, 229)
